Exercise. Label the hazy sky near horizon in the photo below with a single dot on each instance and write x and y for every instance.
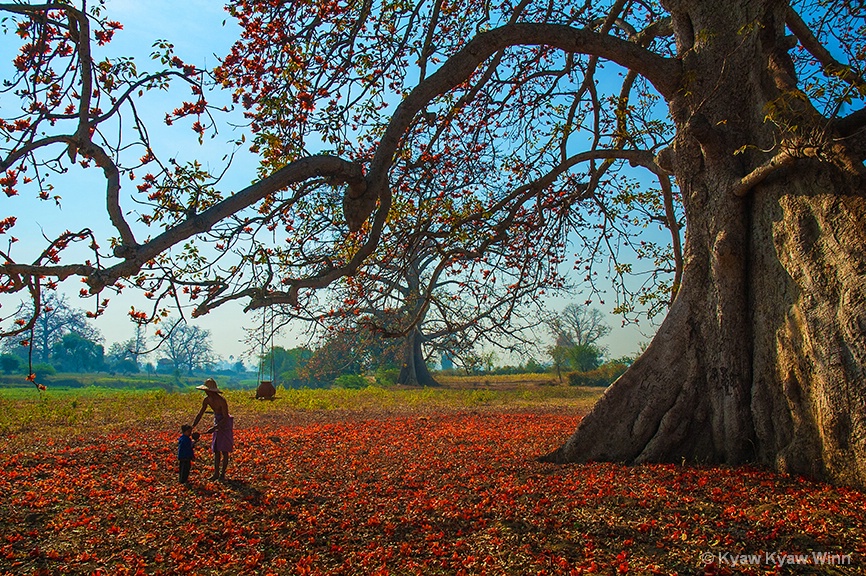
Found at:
(201, 31)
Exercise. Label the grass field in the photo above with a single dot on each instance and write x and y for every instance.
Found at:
(387, 481)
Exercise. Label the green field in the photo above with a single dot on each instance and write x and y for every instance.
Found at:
(27, 408)
(126, 381)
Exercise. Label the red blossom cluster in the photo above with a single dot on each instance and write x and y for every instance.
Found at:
(104, 36)
(452, 493)
(7, 223)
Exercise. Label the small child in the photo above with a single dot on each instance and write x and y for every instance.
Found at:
(185, 452)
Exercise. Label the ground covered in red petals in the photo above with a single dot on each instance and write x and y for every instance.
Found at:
(457, 492)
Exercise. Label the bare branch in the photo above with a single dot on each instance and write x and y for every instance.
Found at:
(663, 73)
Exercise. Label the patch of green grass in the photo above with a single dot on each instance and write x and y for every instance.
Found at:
(140, 381)
(496, 379)
(23, 409)
(374, 397)
(29, 409)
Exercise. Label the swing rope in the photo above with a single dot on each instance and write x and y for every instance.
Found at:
(263, 354)
(273, 376)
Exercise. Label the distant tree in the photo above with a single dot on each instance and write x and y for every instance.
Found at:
(559, 356)
(437, 288)
(126, 356)
(350, 351)
(56, 319)
(576, 330)
(471, 363)
(134, 349)
(43, 369)
(75, 353)
(126, 367)
(584, 357)
(10, 363)
(532, 366)
(187, 347)
(578, 325)
(286, 365)
(488, 360)
(120, 358)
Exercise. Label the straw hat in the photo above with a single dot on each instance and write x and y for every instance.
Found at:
(209, 385)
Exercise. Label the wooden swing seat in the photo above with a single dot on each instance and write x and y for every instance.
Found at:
(265, 391)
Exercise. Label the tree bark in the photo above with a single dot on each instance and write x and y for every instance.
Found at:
(761, 357)
(413, 371)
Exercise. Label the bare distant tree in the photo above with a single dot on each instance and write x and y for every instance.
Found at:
(578, 325)
(576, 331)
(188, 347)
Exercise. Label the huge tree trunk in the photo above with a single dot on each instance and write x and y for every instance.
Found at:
(762, 355)
(413, 371)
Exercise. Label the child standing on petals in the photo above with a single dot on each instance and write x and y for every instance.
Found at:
(185, 453)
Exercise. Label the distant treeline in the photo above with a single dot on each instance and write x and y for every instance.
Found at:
(135, 382)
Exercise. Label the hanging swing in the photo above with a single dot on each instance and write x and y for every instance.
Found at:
(267, 387)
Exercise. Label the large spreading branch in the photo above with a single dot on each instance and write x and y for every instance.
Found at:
(366, 195)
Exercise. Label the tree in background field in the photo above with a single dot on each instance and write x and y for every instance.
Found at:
(432, 287)
(10, 363)
(578, 325)
(576, 331)
(187, 347)
(74, 353)
(56, 320)
(599, 129)
(119, 358)
(569, 357)
(126, 357)
(286, 366)
(350, 351)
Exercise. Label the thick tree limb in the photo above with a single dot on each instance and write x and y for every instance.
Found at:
(60, 272)
(759, 174)
(136, 256)
(854, 122)
(663, 73)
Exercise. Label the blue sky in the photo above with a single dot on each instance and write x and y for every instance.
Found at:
(198, 29)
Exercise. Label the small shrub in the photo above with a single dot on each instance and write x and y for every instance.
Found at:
(604, 375)
(10, 363)
(351, 382)
(43, 369)
(387, 376)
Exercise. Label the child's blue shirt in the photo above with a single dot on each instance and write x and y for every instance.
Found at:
(184, 448)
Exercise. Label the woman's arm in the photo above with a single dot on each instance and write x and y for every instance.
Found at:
(200, 413)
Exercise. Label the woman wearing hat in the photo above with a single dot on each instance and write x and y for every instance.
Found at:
(223, 428)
